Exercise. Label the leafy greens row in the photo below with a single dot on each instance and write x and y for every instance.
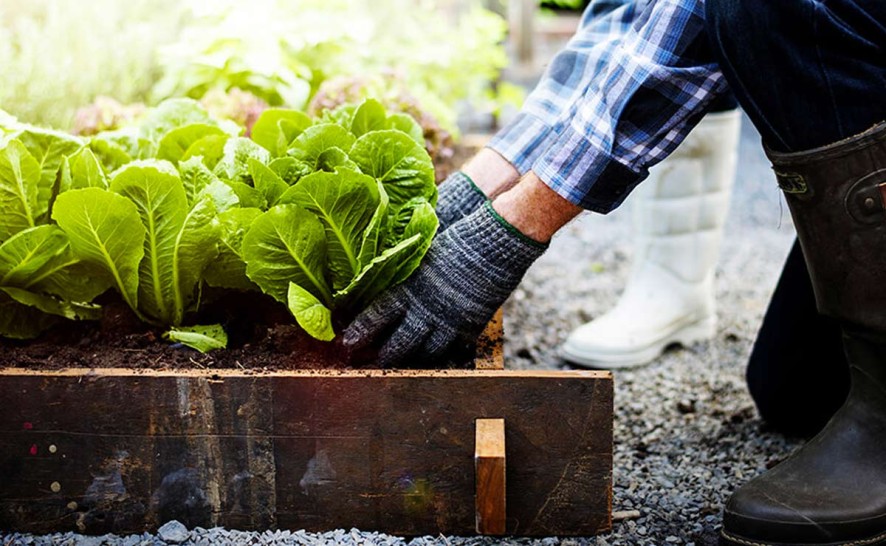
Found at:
(320, 214)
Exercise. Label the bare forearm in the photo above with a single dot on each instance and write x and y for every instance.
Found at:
(534, 209)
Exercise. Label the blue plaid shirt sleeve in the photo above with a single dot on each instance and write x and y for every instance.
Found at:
(652, 86)
(567, 77)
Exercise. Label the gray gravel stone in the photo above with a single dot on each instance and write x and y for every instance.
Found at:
(173, 532)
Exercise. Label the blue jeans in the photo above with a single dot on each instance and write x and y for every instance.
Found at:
(807, 72)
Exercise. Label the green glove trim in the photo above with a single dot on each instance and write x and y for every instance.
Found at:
(507, 225)
(474, 186)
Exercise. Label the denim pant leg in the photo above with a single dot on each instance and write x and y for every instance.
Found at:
(807, 72)
(797, 373)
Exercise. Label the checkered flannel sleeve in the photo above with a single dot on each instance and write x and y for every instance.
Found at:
(566, 79)
(654, 86)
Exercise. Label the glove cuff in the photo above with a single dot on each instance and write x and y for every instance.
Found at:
(506, 251)
(458, 196)
(516, 232)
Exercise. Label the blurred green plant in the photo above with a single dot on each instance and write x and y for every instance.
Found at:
(59, 55)
(575, 5)
(281, 51)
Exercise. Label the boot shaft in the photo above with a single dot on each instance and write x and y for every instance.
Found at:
(837, 198)
(679, 211)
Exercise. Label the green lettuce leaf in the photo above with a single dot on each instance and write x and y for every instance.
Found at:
(247, 195)
(308, 146)
(290, 169)
(195, 177)
(158, 194)
(201, 338)
(20, 321)
(199, 181)
(85, 170)
(375, 276)
(344, 201)
(19, 189)
(287, 244)
(104, 229)
(228, 270)
(40, 259)
(407, 124)
(423, 223)
(211, 148)
(117, 148)
(369, 116)
(310, 313)
(267, 182)
(234, 165)
(276, 128)
(49, 148)
(170, 115)
(402, 165)
(179, 141)
(53, 306)
(375, 232)
(342, 115)
(394, 264)
(180, 239)
(333, 158)
(24, 255)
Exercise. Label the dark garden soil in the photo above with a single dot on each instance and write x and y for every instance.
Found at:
(262, 336)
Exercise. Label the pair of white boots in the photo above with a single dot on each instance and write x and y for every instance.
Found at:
(679, 212)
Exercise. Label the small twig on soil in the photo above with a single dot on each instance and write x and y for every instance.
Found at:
(625, 515)
(195, 363)
(237, 362)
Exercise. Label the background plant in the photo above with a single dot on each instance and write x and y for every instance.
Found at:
(59, 55)
(445, 52)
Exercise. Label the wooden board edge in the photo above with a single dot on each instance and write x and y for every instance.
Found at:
(229, 373)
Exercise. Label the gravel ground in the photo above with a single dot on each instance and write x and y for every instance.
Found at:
(686, 432)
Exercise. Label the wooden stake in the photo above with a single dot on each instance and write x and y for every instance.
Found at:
(489, 466)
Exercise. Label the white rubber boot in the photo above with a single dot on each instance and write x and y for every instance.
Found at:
(679, 212)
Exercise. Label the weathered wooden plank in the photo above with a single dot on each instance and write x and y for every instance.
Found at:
(384, 450)
(489, 468)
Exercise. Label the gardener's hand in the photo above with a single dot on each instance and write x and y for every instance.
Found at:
(485, 176)
(436, 315)
(458, 197)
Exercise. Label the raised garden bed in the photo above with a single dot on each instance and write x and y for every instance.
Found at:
(270, 244)
(123, 450)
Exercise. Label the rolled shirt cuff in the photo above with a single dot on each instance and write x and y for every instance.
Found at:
(522, 141)
(584, 174)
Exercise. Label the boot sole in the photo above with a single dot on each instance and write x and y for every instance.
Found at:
(687, 335)
(727, 539)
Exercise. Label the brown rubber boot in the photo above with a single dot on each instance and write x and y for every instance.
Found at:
(832, 491)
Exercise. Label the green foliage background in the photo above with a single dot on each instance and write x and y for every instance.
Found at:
(60, 55)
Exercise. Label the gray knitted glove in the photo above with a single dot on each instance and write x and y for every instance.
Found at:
(436, 315)
(458, 197)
